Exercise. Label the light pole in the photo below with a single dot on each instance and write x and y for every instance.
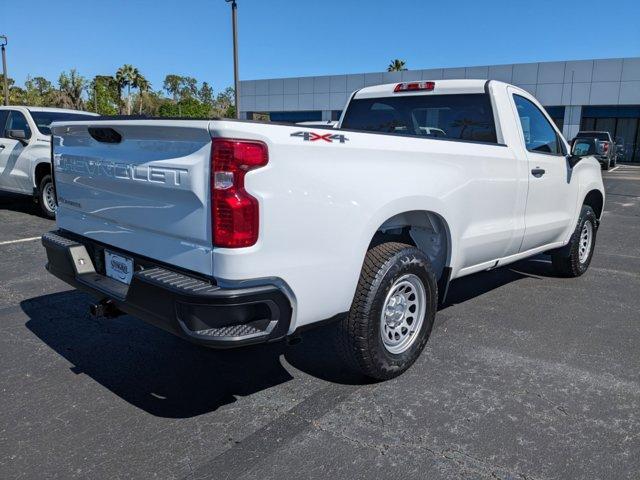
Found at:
(236, 77)
(3, 44)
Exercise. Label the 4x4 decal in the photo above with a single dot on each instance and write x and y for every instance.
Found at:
(314, 137)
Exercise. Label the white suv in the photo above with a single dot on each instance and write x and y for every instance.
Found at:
(25, 151)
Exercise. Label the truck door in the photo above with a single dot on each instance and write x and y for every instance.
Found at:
(552, 194)
(5, 145)
(14, 163)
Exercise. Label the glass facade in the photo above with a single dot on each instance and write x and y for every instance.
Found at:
(557, 115)
(622, 122)
(286, 117)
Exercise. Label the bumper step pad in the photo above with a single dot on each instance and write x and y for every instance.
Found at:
(183, 304)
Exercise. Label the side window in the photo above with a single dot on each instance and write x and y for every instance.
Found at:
(539, 135)
(17, 121)
(4, 114)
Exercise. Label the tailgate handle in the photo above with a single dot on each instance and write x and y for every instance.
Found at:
(105, 135)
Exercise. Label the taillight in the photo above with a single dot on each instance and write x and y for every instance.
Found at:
(605, 147)
(414, 86)
(234, 213)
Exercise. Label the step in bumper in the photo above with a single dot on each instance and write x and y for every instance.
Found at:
(179, 302)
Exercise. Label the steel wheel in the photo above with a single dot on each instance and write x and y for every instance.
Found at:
(48, 197)
(403, 313)
(586, 240)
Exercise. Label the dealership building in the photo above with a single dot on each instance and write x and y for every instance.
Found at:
(602, 94)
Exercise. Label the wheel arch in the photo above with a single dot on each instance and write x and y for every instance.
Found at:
(427, 230)
(40, 171)
(595, 199)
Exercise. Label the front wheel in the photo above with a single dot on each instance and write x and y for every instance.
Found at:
(47, 198)
(392, 312)
(574, 259)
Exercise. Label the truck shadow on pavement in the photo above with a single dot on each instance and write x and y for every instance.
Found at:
(469, 287)
(19, 203)
(169, 377)
(162, 374)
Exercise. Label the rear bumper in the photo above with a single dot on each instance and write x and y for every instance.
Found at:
(188, 306)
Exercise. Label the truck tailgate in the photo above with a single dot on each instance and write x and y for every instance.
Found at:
(137, 185)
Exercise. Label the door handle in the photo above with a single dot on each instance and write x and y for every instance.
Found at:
(538, 172)
(1, 147)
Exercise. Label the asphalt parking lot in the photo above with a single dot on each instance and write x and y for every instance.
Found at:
(526, 376)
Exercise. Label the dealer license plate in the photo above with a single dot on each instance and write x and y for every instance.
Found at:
(118, 267)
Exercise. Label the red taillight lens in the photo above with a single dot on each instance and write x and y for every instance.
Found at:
(234, 213)
(605, 147)
(414, 86)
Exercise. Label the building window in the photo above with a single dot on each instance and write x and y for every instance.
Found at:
(335, 115)
(286, 117)
(623, 123)
(557, 115)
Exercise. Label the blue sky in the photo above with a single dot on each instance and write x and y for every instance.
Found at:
(298, 37)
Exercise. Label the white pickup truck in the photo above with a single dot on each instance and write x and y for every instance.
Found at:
(25, 151)
(230, 233)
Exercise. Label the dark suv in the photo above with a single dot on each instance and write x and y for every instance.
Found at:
(607, 153)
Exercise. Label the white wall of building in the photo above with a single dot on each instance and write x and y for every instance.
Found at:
(571, 83)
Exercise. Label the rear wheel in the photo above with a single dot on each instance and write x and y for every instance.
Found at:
(574, 260)
(392, 312)
(46, 197)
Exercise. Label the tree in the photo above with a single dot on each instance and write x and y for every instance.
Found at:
(104, 97)
(127, 76)
(205, 94)
(39, 92)
(10, 83)
(71, 87)
(396, 66)
(189, 88)
(226, 104)
(152, 102)
(143, 85)
(173, 84)
(186, 107)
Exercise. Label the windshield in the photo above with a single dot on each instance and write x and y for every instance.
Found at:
(43, 119)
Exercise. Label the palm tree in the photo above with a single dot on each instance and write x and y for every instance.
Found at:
(143, 85)
(125, 77)
(396, 66)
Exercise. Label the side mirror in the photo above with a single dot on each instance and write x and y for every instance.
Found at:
(580, 149)
(573, 160)
(19, 135)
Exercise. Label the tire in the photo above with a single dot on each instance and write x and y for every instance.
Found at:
(574, 259)
(45, 197)
(391, 271)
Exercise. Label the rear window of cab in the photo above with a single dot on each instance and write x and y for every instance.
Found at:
(456, 117)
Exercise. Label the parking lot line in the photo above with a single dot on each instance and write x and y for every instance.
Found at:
(614, 169)
(20, 240)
